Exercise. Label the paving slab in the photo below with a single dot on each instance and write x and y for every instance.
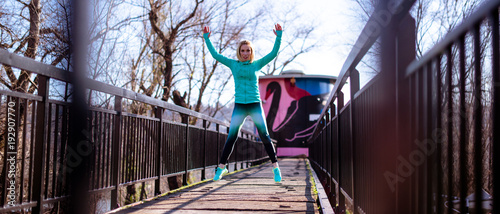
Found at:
(249, 191)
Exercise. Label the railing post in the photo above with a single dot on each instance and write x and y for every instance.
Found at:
(236, 153)
(495, 105)
(217, 153)
(354, 87)
(116, 152)
(204, 171)
(334, 187)
(340, 105)
(385, 152)
(248, 153)
(159, 141)
(42, 115)
(405, 55)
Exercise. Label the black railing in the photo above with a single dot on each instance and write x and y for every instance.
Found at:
(420, 136)
(121, 148)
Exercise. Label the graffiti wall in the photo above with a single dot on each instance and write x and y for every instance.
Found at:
(292, 106)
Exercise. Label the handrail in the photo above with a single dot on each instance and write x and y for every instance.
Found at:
(364, 42)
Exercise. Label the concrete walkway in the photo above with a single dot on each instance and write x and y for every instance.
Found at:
(249, 191)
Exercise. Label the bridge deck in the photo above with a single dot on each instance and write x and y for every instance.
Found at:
(249, 191)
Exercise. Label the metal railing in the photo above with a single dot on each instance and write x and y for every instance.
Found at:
(419, 137)
(119, 149)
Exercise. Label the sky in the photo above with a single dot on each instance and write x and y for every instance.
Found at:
(336, 27)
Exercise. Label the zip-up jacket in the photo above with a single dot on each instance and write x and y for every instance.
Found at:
(246, 88)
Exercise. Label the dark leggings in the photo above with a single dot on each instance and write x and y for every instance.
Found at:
(240, 112)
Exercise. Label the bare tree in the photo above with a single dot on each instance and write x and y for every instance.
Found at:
(177, 23)
(298, 41)
(203, 73)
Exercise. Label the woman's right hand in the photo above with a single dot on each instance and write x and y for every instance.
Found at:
(206, 29)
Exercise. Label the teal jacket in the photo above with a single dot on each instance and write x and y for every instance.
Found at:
(246, 88)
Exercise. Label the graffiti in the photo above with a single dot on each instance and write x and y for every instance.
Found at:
(292, 107)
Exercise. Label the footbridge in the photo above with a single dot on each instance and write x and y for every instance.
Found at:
(420, 137)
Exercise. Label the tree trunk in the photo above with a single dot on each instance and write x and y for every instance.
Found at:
(33, 41)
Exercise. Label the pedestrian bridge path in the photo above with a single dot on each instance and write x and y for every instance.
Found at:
(251, 190)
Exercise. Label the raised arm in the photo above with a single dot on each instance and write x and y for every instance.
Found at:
(219, 57)
(278, 31)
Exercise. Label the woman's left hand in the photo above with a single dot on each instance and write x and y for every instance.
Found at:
(277, 27)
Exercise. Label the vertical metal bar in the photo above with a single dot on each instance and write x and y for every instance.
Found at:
(116, 153)
(125, 164)
(98, 149)
(236, 153)
(386, 152)
(106, 129)
(328, 186)
(217, 153)
(147, 148)
(462, 127)
(79, 177)
(334, 153)
(186, 147)
(144, 143)
(130, 148)
(495, 107)
(56, 151)
(140, 148)
(152, 148)
(340, 105)
(23, 158)
(354, 87)
(64, 143)
(159, 140)
(109, 144)
(134, 144)
(478, 120)
(438, 140)
(413, 181)
(102, 145)
(449, 117)
(431, 157)
(31, 176)
(47, 158)
(204, 171)
(40, 145)
(137, 149)
(141, 144)
(137, 128)
(149, 162)
(406, 52)
(92, 136)
(227, 135)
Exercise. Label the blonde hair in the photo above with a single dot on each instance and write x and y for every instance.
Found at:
(245, 42)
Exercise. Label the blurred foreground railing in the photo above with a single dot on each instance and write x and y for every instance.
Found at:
(120, 148)
(419, 137)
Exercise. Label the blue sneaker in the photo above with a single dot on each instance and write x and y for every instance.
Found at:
(277, 175)
(219, 173)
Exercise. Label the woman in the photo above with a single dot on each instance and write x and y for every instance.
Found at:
(247, 98)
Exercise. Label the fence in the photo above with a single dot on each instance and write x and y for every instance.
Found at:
(419, 137)
(119, 149)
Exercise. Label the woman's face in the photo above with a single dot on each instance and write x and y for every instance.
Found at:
(245, 52)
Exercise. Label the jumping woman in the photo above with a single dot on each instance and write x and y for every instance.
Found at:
(247, 98)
